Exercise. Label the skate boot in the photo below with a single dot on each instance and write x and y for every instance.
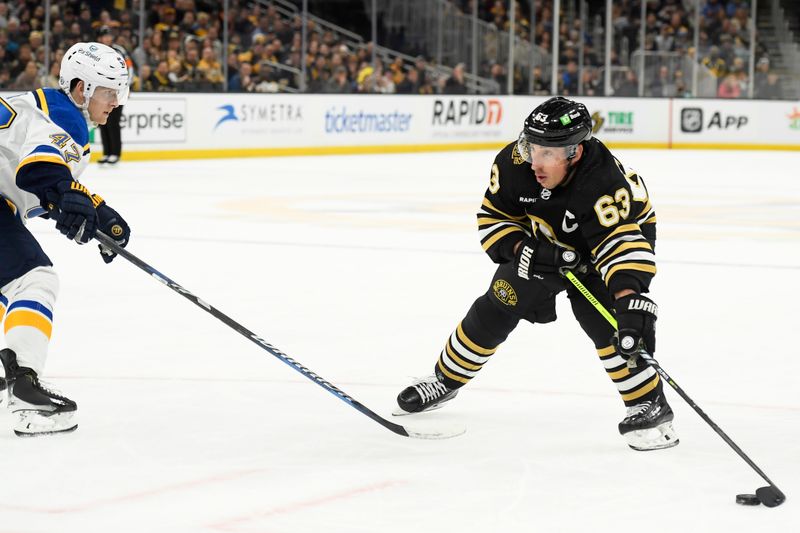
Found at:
(424, 394)
(37, 409)
(648, 425)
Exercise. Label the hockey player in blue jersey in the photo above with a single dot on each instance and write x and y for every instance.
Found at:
(44, 148)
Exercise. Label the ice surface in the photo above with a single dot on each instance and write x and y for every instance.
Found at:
(359, 267)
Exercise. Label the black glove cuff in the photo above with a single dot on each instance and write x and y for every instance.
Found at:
(636, 303)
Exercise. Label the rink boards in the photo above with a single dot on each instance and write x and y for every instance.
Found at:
(183, 125)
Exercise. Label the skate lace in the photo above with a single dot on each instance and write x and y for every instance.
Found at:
(638, 409)
(49, 389)
(430, 389)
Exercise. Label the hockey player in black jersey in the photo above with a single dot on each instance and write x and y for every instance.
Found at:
(559, 200)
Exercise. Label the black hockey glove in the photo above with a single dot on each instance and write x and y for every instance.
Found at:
(113, 225)
(636, 325)
(534, 255)
(73, 210)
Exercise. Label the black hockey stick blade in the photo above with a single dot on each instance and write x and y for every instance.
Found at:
(770, 496)
(437, 433)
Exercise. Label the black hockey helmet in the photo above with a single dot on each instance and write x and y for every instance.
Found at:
(555, 122)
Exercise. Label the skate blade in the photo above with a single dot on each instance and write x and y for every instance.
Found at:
(36, 423)
(402, 412)
(435, 431)
(657, 438)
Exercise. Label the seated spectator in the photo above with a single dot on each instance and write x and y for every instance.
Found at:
(24, 56)
(166, 20)
(193, 78)
(663, 85)
(384, 84)
(242, 81)
(143, 81)
(761, 72)
(51, 79)
(161, 81)
(569, 79)
(265, 81)
(27, 79)
(410, 83)
(339, 84)
(715, 63)
(681, 89)
(629, 87)
(729, 88)
(318, 75)
(455, 83)
(771, 90)
(365, 72)
(210, 70)
(592, 85)
(498, 74)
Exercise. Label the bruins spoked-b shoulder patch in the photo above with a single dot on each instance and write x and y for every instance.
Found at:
(504, 292)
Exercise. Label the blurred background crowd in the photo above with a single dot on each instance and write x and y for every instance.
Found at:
(418, 47)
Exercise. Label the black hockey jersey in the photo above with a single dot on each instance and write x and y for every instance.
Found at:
(602, 210)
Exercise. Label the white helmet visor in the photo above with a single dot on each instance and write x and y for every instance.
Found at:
(108, 95)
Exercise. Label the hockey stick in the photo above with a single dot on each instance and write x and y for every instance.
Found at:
(109, 243)
(770, 496)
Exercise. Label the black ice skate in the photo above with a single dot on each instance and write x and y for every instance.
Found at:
(424, 394)
(38, 410)
(648, 426)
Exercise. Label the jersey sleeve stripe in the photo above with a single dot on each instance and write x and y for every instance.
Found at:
(607, 351)
(599, 256)
(489, 205)
(621, 249)
(484, 220)
(618, 231)
(630, 257)
(641, 267)
(44, 148)
(484, 232)
(40, 158)
(499, 235)
(41, 101)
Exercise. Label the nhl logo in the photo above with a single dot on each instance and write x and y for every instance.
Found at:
(545, 194)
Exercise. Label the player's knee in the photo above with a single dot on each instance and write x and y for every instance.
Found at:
(39, 284)
(493, 321)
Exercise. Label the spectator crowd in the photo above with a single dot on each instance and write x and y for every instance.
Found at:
(723, 47)
(182, 49)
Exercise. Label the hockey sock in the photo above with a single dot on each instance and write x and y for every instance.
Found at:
(635, 385)
(29, 302)
(473, 342)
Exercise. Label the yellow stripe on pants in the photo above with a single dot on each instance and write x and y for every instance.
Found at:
(22, 317)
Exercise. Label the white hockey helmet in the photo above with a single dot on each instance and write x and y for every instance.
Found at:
(97, 65)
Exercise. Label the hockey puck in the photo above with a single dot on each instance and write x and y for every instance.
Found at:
(747, 499)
